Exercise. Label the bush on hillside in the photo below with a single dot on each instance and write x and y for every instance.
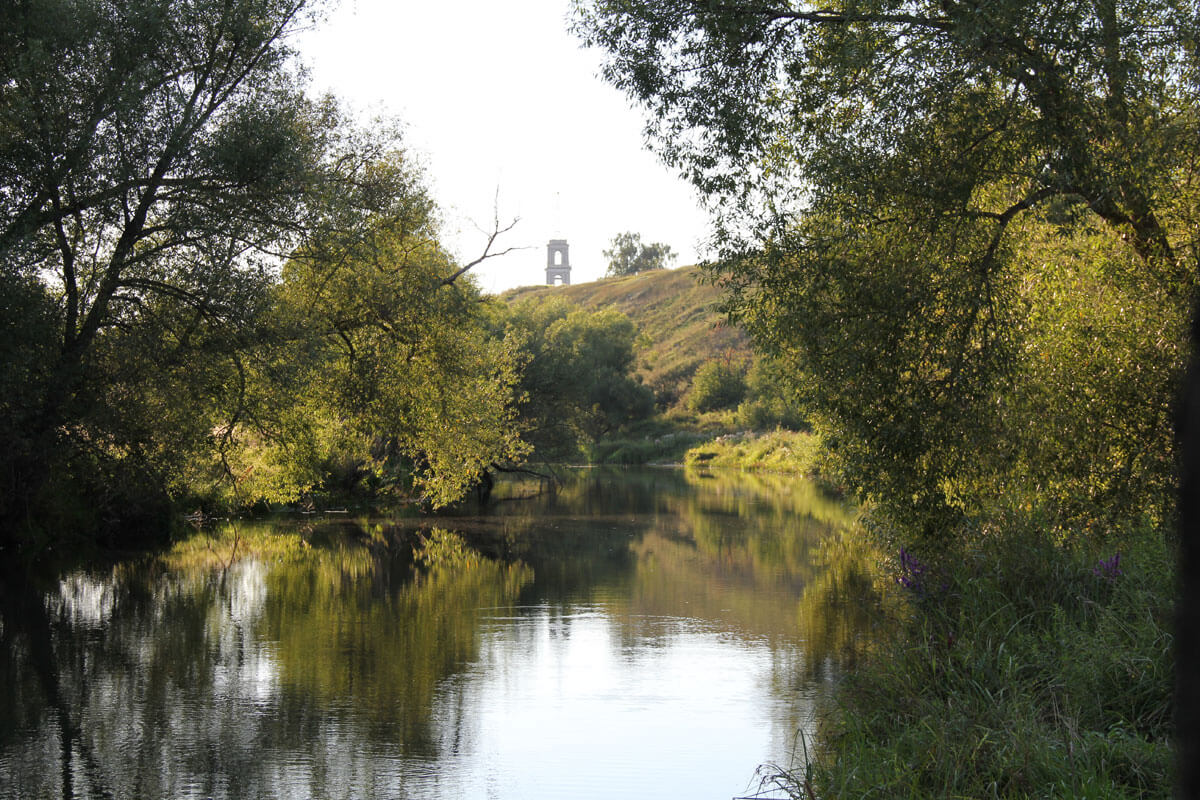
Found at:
(576, 378)
(717, 385)
(771, 399)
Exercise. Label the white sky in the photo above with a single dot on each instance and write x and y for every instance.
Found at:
(498, 96)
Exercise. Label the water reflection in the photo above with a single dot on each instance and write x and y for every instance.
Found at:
(650, 633)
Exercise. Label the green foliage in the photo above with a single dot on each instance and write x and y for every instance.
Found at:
(27, 329)
(771, 397)
(628, 256)
(381, 371)
(159, 164)
(154, 162)
(1033, 671)
(575, 380)
(717, 385)
(969, 232)
(954, 224)
(676, 317)
(1089, 418)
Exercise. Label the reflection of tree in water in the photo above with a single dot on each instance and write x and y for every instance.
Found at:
(764, 555)
(310, 659)
(756, 555)
(39, 731)
(841, 609)
(760, 553)
(768, 495)
(383, 647)
(270, 677)
(576, 538)
(594, 492)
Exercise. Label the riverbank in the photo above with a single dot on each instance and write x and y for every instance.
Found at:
(782, 451)
(1020, 668)
(788, 452)
(1023, 663)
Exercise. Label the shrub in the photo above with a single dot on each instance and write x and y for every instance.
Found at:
(771, 398)
(717, 385)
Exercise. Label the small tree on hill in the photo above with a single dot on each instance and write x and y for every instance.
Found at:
(718, 385)
(628, 256)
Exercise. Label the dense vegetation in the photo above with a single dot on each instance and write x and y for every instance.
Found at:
(677, 320)
(575, 383)
(682, 337)
(970, 232)
(967, 232)
(219, 292)
(216, 287)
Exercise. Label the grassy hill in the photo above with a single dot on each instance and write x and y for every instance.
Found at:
(675, 313)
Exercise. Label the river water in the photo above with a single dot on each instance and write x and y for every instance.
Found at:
(636, 634)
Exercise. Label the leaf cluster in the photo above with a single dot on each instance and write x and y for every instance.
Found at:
(717, 385)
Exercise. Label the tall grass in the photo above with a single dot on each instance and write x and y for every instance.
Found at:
(666, 449)
(791, 452)
(1023, 668)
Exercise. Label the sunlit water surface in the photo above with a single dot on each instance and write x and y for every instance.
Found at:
(637, 634)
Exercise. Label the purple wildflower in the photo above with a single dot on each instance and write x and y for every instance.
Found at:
(1108, 568)
(912, 572)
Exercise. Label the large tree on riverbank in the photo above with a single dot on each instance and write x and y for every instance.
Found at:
(155, 156)
(924, 204)
(159, 163)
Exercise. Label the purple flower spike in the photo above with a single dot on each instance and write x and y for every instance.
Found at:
(1108, 568)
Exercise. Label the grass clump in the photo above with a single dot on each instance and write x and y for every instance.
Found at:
(791, 452)
(1023, 669)
(667, 449)
(659, 440)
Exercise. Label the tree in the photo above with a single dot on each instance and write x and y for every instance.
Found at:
(156, 157)
(628, 256)
(575, 377)
(900, 184)
(160, 161)
(897, 186)
(379, 370)
(718, 385)
(771, 399)
(149, 151)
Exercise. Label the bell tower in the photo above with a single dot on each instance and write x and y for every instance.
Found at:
(558, 263)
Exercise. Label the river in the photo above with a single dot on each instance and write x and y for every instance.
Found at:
(647, 633)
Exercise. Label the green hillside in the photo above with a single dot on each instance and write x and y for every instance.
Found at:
(675, 313)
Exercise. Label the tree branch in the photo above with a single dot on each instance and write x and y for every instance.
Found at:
(823, 16)
(495, 234)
